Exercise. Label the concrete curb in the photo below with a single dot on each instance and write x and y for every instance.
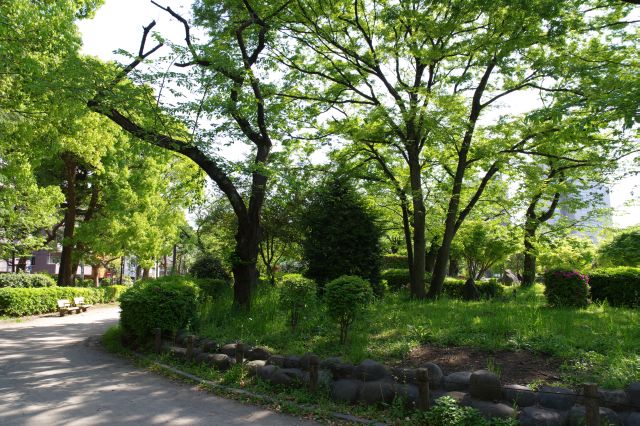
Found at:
(215, 385)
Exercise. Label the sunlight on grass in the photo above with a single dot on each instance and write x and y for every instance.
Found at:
(597, 343)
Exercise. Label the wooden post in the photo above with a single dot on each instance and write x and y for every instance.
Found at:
(422, 375)
(239, 353)
(190, 340)
(592, 408)
(314, 361)
(158, 340)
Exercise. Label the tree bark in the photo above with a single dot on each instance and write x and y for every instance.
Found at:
(174, 260)
(95, 275)
(529, 266)
(145, 273)
(454, 267)
(65, 274)
(22, 264)
(419, 240)
(244, 269)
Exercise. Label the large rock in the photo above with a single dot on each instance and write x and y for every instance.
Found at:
(292, 362)
(202, 358)
(210, 346)
(509, 278)
(369, 371)
(631, 419)
(343, 371)
(522, 396)
(404, 375)
(346, 390)
(221, 361)
(377, 391)
(181, 336)
(614, 399)
(490, 410)
(410, 393)
(267, 371)
(305, 360)
(281, 379)
(254, 366)
(485, 385)
(556, 397)
(458, 381)
(295, 374)
(537, 416)
(458, 396)
(633, 393)
(178, 352)
(255, 354)
(577, 416)
(276, 360)
(330, 363)
(229, 349)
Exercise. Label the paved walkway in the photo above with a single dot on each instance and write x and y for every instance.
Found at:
(51, 375)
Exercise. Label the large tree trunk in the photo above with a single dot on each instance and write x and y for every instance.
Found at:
(145, 273)
(529, 267)
(22, 264)
(65, 274)
(95, 275)
(454, 267)
(419, 240)
(174, 260)
(244, 269)
(431, 256)
(406, 227)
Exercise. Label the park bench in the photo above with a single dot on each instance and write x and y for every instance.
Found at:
(64, 307)
(78, 302)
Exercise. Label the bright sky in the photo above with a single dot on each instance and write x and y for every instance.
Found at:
(118, 25)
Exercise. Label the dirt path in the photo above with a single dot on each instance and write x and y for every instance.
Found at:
(50, 375)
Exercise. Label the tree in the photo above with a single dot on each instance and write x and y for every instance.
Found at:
(622, 250)
(228, 68)
(567, 253)
(342, 236)
(417, 79)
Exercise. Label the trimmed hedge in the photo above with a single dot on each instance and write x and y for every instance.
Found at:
(31, 301)
(566, 288)
(169, 303)
(400, 278)
(454, 288)
(22, 280)
(212, 287)
(618, 286)
(394, 261)
(297, 293)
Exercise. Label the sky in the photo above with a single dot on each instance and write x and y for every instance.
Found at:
(118, 25)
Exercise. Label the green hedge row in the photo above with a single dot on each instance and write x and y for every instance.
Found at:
(31, 301)
(169, 303)
(22, 280)
(394, 261)
(453, 287)
(618, 286)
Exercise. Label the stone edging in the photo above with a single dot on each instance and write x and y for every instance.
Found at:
(242, 392)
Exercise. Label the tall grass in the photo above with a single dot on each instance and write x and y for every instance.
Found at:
(597, 343)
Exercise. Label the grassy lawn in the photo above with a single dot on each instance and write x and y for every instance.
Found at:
(599, 343)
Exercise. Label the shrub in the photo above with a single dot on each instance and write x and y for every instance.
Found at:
(623, 249)
(618, 286)
(447, 412)
(296, 294)
(346, 297)
(212, 287)
(210, 267)
(22, 280)
(342, 235)
(396, 278)
(169, 303)
(31, 301)
(488, 289)
(566, 288)
(394, 261)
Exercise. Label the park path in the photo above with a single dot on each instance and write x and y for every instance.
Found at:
(50, 374)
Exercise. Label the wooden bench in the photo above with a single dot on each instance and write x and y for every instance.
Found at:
(78, 302)
(64, 307)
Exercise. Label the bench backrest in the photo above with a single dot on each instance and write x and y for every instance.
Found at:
(78, 300)
(62, 303)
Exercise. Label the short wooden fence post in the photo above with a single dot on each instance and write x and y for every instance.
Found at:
(422, 374)
(239, 353)
(592, 408)
(314, 361)
(189, 353)
(157, 332)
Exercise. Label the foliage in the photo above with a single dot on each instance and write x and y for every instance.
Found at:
(618, 286)
(396, 278)
(212, 287)
(346, 298)
(566, 288)
(342, 237)
(394, 261)
(31, 301)
(488, 289)
(297, 293)
(622, 250)
(484, 244)
(169, 303)
(26, 280)
(210, 267)
(567, 253)
(447, 412)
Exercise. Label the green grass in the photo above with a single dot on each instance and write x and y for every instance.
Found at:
(599, 343)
